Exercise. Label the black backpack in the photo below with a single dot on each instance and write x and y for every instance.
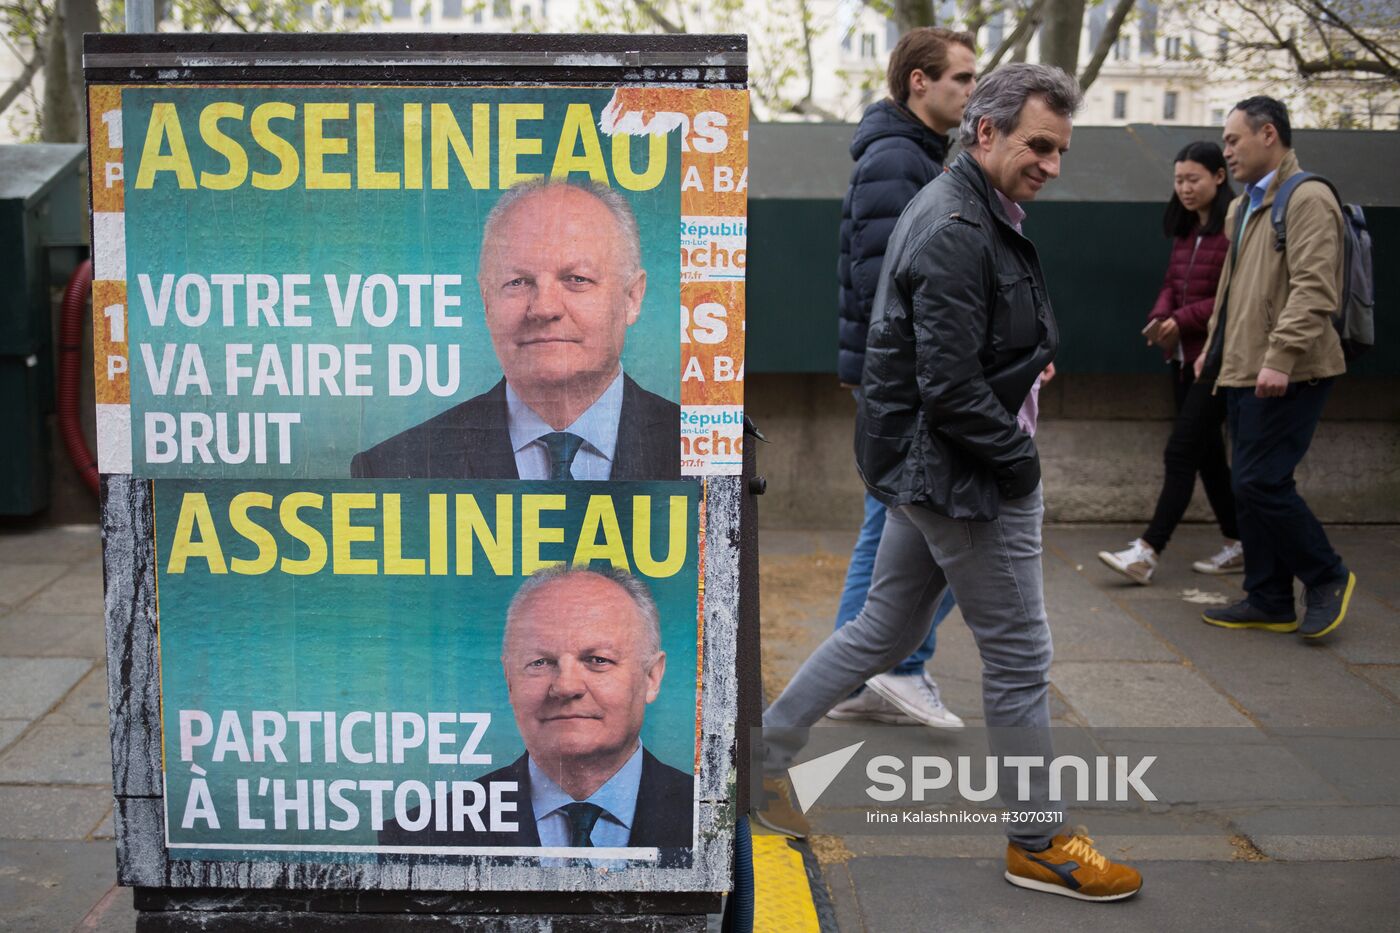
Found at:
(1355, 320)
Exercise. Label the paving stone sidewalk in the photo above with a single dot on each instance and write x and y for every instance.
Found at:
(57, 864)
(1125, 655)
(1279, 838)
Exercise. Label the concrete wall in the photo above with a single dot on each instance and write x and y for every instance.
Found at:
(1101, 442)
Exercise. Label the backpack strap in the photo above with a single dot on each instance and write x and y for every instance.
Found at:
(1280, 206)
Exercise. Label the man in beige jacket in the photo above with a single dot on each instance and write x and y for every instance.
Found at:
(1273, 352)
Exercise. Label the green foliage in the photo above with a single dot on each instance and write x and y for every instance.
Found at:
(253, 15)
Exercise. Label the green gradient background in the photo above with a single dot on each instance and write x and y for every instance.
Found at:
(394, 643)
(247, 230)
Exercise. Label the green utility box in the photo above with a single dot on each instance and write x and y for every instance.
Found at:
(43, 227)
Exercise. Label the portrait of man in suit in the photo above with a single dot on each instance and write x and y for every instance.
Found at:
(582, 660)
(561, 282)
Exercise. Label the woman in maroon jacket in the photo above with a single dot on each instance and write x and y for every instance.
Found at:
(1194, 219)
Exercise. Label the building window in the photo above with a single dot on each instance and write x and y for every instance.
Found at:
(403, 9)
(1147, 29)
(1222, 46)
(1120, 105)
(1346, 118)
(1169, 106)
(996, 30)
(478, 16)
(867, 45)
(451, 9)
(1171, 48)
(1217, 116)
(500, 9)
(891, 34)
(1123, 49)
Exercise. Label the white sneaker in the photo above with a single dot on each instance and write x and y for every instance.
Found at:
(916, 696)
(1137, 561)
(1229, 560)
(870, 705)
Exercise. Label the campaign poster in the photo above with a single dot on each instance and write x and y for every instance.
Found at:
(426, 668)
(378, 282)
(427, 383)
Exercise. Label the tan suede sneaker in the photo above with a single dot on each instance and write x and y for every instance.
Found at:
(776, 814)
(1072, 867)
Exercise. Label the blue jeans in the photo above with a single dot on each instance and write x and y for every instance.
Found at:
(858, 584)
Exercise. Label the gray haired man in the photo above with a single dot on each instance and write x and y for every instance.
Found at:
(960, 331)
(561, 284)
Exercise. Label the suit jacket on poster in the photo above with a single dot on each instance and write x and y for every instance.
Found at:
(472, 441)
(663, 818)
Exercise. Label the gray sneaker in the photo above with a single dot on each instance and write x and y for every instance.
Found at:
(870, 705)
(1326, 606)
(916, 696)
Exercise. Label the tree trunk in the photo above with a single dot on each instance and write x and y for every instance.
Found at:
(1018, 52)
(1059, 35)
(911, 13)
(59, 120)
(79, 17)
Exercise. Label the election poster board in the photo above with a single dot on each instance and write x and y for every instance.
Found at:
(414, 405)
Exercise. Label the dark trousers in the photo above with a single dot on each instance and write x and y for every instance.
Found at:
(1281, 536)
(1195, 446)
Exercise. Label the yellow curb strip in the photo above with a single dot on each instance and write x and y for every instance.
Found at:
(782, 894)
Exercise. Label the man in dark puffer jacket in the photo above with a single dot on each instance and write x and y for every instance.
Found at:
(899, 147)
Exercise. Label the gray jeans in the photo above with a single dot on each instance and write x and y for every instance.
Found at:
(995, 574)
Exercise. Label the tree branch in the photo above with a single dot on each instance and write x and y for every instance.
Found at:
(1111, 29)
(19, 84)
(232, 17)
(1313, 67)
(1320, 18)
(807, 62)
(657, 17)
(1027, 24)
(1382, 54)
(1331, 63)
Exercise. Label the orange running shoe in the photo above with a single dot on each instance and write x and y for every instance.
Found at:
(1072, 867)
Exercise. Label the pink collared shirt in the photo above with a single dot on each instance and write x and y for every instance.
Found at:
(1030, 409)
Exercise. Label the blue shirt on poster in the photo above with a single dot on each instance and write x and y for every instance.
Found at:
(617, 798)
(597, 426)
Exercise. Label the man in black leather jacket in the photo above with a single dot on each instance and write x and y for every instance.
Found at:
(960, 331)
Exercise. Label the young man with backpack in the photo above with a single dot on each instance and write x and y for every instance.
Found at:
(1273, 337)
